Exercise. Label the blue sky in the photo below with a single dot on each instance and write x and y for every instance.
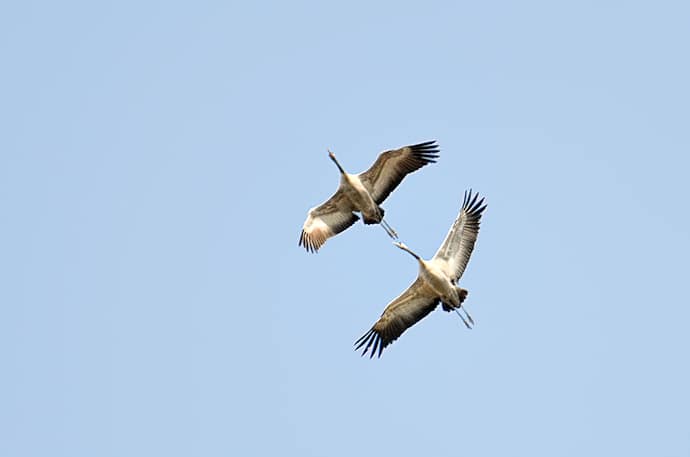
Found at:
(156, 164)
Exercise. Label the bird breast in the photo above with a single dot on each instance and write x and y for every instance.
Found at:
(437, 279)
(358, 194)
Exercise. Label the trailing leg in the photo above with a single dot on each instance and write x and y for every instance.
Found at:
(389, 230)
(467, 324)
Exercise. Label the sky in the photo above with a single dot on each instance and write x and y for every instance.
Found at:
(157, 160)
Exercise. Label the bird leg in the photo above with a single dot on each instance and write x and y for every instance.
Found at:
(469, 318)
(469, 324)
(389, 230)
(463, 319)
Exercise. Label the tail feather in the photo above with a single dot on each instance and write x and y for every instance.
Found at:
(462, 294)
(376, 219)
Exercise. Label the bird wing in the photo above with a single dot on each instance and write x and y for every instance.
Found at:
(402, 313)
(455, 251)
(392, 166)
(325, 221)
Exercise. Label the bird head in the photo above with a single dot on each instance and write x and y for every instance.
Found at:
(335, 161)
(401, 245)
(404, 247)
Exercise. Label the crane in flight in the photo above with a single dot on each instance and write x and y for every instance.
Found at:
(363, 193)
(436, 282)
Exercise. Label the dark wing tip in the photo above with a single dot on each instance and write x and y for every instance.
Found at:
(472, 204)
(420, 155)
(425, 144)
(426, 150)
(372, 337)
(308, 243)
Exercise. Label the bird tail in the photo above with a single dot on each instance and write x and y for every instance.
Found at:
(462, 294)
(374, 220)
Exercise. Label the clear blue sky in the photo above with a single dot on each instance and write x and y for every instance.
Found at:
(157, 160)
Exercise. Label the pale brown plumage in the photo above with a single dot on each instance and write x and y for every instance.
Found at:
(373, 185)
(392, 166)
(447, 265)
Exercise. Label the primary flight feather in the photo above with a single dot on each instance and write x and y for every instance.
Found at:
(363, 193)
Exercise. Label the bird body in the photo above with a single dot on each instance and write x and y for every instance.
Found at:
(440, 283)
(436, 282)
(435, 278)
(364, 193)
(359, 198)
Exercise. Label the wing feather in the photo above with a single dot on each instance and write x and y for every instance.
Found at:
(325, 221)
(392, 166)
(455, 252)
(402, 313)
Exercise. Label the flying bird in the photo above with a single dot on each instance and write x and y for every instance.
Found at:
(364, 193)
(436, 282)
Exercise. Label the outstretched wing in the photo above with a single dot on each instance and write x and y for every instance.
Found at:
(455, 251)
(402, 313)
(325, 221)
(392, 166)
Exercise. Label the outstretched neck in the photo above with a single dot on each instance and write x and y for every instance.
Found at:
(335, 161)
(408, 250)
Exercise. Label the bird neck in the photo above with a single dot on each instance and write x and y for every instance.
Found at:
(337, 164)
(408, 250)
